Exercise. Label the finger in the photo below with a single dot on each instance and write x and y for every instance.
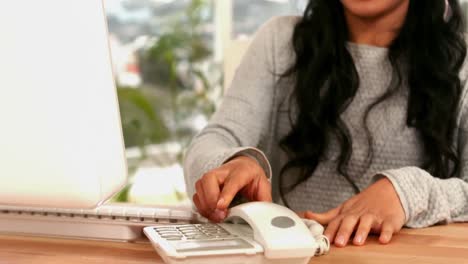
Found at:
(196, 201)
(201, 197)
(235, 182)
(211, 187)
(264, 190)
(215, 216)
(218, 215)
(332, 228)
(302, 214)
(346, 229)
(325, 218)
(386, 233)
(366, 222)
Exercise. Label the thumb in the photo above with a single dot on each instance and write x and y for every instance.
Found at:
(324, 218)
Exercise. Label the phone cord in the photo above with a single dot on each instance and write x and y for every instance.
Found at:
(323, 245)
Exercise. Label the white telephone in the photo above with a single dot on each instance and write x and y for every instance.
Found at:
(255, 232)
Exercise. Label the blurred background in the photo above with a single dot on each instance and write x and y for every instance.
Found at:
(172, 61)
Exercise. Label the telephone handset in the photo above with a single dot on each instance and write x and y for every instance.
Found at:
(256, 232)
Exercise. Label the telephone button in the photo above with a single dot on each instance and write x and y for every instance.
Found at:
(283, 222)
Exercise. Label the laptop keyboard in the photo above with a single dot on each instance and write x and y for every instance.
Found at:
(107, 222)
(106, 212)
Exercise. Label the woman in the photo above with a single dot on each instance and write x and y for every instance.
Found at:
(356, 111)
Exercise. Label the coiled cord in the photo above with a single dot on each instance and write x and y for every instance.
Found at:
(316, 230)
(323, 245)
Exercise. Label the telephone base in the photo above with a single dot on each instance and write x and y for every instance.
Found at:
(234, 259)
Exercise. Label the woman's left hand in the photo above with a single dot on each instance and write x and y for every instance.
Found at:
(376, 209)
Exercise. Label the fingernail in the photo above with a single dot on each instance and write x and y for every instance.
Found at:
(358, 239)
(220, 214)
(385, 239)
(220, 203)
(340, 240)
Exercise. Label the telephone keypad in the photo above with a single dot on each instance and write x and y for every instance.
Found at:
(194, 232)
(201, 239)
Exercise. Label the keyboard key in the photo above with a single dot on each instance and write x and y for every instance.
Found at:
(181, 214)
(162, 213)
(147, 213)
(187, 228)
(197, 237)
(118, 212)
(162, 228)
(165, 234)
(172, 238)
(192, 233)
(132, 212)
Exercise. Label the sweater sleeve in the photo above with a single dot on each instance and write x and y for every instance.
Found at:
(243, 117)
(428, 200)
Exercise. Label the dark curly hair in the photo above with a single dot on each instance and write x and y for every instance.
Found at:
(432, 51)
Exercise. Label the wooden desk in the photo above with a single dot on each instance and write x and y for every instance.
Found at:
(441, 244)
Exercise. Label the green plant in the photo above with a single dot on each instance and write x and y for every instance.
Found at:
(141, 122)
(179, 63)
(181, 81)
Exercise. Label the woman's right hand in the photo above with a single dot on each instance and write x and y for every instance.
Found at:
(217, 188)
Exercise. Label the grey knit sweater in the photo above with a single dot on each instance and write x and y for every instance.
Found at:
(253, 117)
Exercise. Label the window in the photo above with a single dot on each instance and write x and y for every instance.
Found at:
(464, 6)
(249, 15)
(168, 63)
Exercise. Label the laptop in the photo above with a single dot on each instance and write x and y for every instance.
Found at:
(61, 143)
